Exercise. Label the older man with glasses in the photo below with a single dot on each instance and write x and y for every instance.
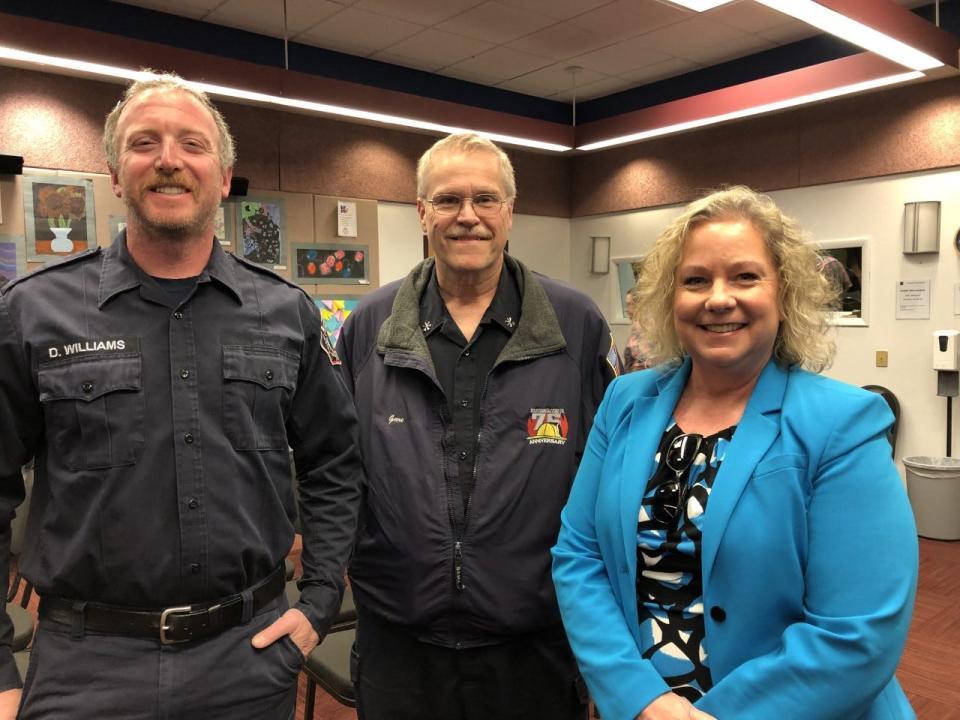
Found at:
(476, 381)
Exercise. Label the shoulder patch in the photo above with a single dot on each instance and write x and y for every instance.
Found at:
(53, 265)
(613, 359)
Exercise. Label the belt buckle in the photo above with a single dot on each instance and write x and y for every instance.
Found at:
(164, 616)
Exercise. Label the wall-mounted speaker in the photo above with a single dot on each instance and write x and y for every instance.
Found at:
(11, 165)
(238, 186)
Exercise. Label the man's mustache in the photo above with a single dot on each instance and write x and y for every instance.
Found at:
(460, 231)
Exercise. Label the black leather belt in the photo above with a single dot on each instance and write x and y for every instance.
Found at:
(170, 625)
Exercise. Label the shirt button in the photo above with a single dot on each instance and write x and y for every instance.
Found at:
(87, 387)
(268, 374)
(188, 439)
(184, 373)
(467, 353)
(718, 613)
(193, 503)
(465, 403)
(463, 454)
(195, 568)
(178, 315)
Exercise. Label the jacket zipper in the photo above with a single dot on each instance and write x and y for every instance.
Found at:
(459, 536)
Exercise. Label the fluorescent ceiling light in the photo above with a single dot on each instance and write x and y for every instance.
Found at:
(855, 32)
(72, 65)
(756, 110)
(700, 5)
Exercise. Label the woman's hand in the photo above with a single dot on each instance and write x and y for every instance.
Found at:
(671, 706)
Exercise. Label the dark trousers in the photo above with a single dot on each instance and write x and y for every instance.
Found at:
(397, 677)
(92, 676)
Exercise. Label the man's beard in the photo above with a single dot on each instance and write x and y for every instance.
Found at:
(172, 229)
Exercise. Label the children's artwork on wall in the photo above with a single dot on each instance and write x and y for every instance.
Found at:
(58, 216)
(330, 263)
(334, 312)
(13, 261)
(261, 231)
(117, 224)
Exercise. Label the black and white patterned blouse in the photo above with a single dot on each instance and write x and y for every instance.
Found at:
(669, 575)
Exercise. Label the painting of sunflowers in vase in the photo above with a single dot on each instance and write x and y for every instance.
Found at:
(60, 212)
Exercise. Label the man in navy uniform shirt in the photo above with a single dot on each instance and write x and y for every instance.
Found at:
(160, 384)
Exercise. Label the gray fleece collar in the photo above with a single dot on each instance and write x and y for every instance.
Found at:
(538, 332)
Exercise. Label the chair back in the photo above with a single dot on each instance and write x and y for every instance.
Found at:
(894, 404)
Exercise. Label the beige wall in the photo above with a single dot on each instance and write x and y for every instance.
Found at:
(56, 122)
(870, 209)
(896, 130)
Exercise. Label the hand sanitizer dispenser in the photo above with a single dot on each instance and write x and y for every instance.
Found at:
(945, 350)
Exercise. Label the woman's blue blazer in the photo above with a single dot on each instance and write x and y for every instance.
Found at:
(809, 553)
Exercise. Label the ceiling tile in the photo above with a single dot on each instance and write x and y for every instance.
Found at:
(622, 19)
(661, 71)
(606, 86)
(501, 63)
(359, 32)
(789, 32)
(550, 80)
(496, 23)
(746, 15)
(266, 18)
(559, 9)
(692, 34)
(560, 41)
(424, 12)
(621, 57)
(725, 51)
(304, 14)
(433, 49)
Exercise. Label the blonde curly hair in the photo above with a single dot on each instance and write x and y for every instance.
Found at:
(805, 296)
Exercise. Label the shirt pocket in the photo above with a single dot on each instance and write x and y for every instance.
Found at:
(94, 410)
(258, 385)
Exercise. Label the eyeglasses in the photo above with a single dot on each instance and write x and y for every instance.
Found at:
(670, 495)
(486, 204)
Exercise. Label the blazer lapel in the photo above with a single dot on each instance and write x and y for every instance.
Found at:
(648, 420)
(755, 433)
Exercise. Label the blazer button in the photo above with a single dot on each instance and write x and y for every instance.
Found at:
(718, 613)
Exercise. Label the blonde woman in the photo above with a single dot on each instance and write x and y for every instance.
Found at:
(737, 543)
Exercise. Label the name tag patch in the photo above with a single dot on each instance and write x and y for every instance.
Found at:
(93, 345)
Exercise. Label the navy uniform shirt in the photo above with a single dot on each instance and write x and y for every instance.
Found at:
(462, 368)
(160, 426)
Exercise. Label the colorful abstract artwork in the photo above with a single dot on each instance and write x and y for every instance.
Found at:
(261, 231)
(12, 261)
(58, 216)
(330, 263)
(333, 313)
